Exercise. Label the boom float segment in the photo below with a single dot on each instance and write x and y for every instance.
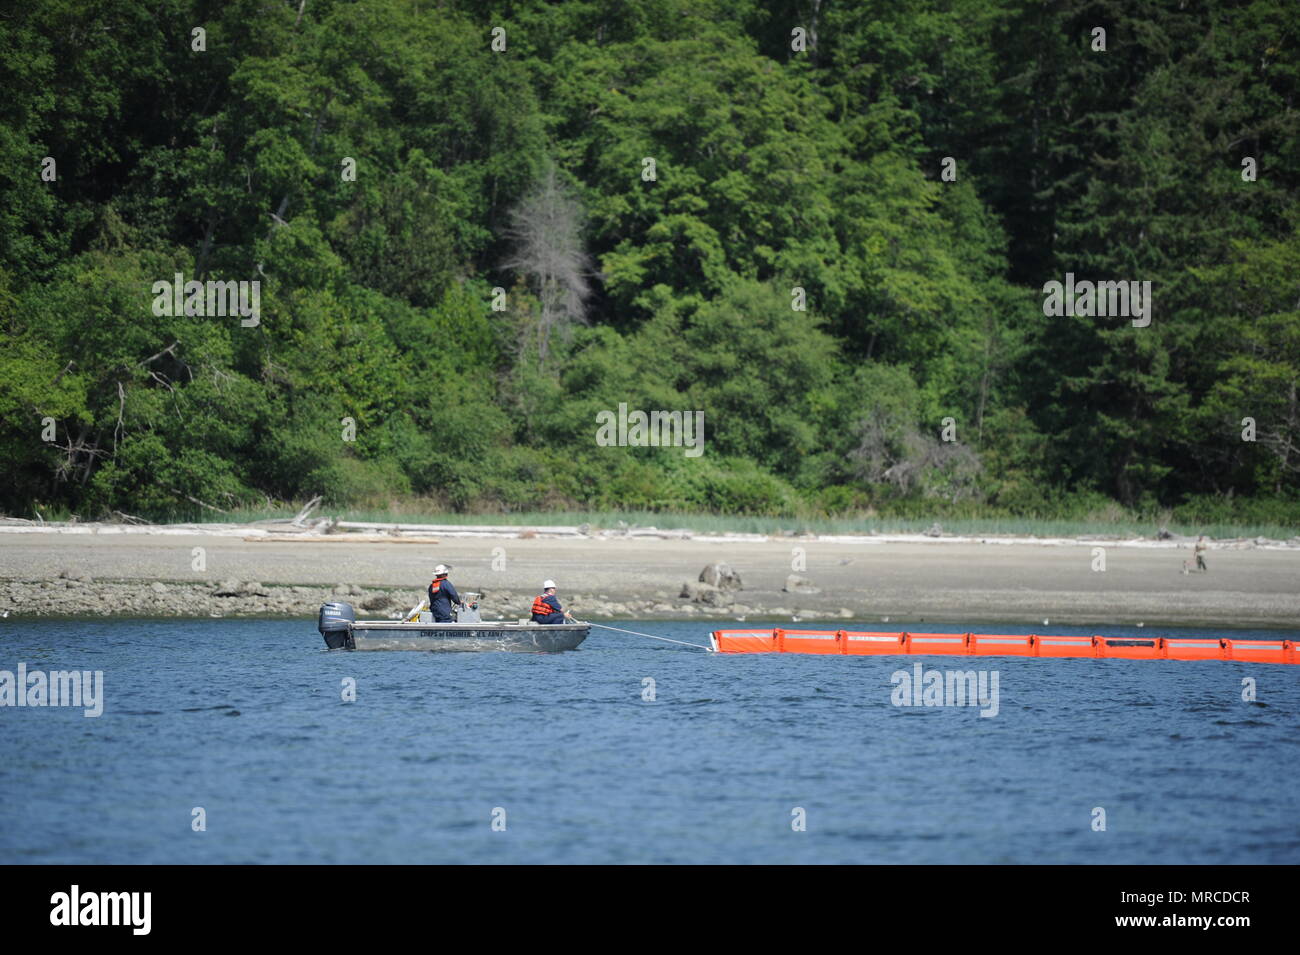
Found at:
(871, 643)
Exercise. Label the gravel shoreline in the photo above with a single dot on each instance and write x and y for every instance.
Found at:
(222, 571)
(87, 597)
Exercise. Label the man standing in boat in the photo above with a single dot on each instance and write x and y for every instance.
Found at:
(546, 608)
(442, 596)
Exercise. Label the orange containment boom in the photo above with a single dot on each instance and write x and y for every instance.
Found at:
(855, 643)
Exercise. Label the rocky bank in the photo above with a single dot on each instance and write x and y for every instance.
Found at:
(83, 596)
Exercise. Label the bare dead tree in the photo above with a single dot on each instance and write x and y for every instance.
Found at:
(546, 229)
(891, 451)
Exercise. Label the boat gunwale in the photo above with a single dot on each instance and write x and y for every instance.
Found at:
(403, 626)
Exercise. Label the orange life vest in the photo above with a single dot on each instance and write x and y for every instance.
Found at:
(436, 585)
(541, 608)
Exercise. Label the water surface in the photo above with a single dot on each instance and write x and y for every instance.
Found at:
(245, 719)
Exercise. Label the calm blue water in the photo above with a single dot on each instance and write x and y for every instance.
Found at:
(245, 719)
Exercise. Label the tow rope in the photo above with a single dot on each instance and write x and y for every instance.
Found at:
(637, 633)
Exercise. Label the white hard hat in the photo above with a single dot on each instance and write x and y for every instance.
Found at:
(547, 584)
(440, 570)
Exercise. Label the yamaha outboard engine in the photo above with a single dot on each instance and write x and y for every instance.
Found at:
(335, 625)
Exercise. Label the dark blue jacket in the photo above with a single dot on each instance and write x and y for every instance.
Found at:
(441, 600)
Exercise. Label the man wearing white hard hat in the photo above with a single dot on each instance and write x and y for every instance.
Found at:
(546, 607)
(442, 596)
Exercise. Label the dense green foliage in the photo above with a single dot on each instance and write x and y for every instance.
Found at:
(775, 169)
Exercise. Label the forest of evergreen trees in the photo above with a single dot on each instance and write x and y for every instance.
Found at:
(476, 225)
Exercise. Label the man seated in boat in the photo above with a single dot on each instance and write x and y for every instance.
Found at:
(546, 607)
(442, 596)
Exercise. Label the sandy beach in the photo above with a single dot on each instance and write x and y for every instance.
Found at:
(111, 570)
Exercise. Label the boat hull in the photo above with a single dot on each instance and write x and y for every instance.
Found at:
(459, 637)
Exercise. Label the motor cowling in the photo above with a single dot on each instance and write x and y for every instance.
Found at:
(335, 624)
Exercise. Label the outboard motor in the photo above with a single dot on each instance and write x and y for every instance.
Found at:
(335, 625)
(470, 613)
